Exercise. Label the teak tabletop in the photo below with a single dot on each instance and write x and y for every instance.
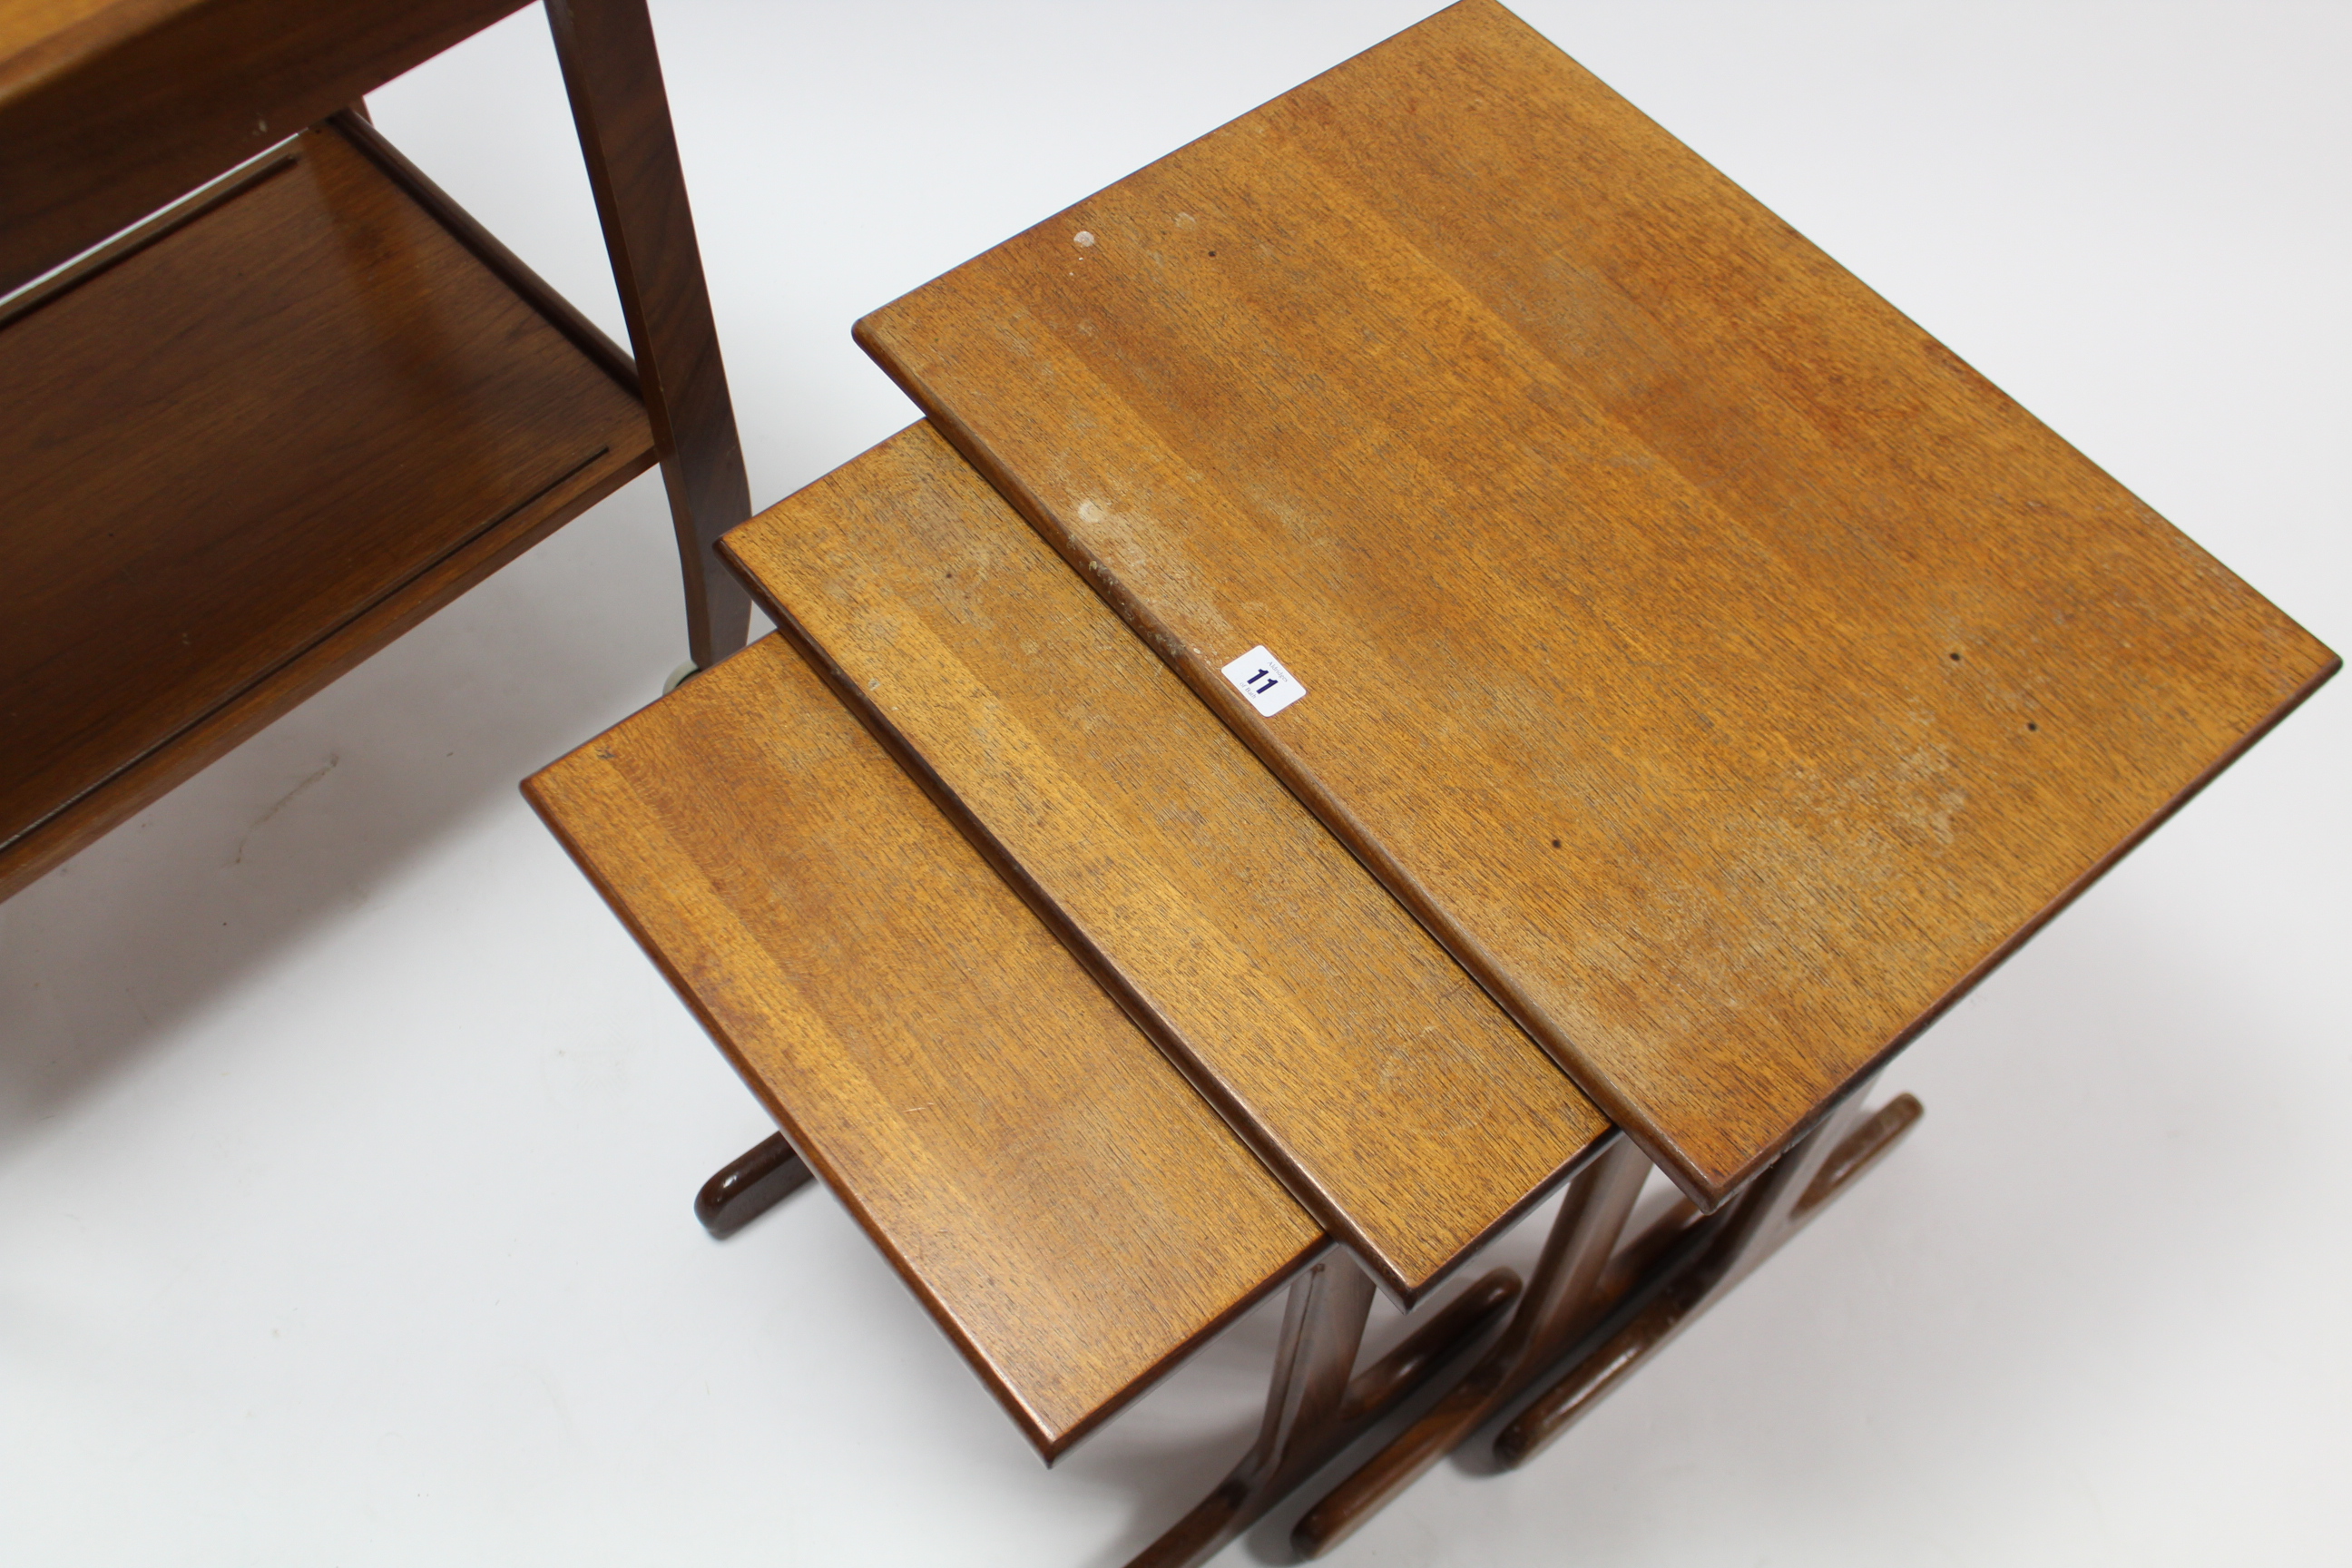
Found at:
(1071, 1213)
(1723, 670)
(1400, 1106)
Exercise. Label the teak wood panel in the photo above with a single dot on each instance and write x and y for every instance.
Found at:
(247, 452)
(1071, 1213)
(1396, 1102)
(1727, 673)
(108, 108)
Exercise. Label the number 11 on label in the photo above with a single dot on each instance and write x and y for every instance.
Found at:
(1259, 676)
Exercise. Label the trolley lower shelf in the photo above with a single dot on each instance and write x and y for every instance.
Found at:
(249, 444)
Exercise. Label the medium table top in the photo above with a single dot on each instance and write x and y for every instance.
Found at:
(1400, 1106)
(1728, 674)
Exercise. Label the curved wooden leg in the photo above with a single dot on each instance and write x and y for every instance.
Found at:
(1314, 1408)
(1606, 1308)
(1716, 1255)
(622, 111)
(750, 1186)
(1554, 1307)
(1382, 1386)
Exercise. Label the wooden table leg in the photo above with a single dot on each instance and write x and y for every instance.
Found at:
(1556, 1304)
(622, 111)
(1716, 1255)
(750, 1186)
(1314, 1408)
(1606, 1308)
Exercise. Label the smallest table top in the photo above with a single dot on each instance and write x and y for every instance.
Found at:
(1070, 1211)
(1723, 670)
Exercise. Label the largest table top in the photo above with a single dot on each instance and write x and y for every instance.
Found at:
(1723, 670)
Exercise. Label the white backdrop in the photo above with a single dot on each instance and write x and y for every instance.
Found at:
(346, 1143)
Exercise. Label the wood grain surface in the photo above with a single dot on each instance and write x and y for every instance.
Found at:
(1071, 1213)
(1400, 1106)
(108, 108)
(1725, 671)
(245, 454)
